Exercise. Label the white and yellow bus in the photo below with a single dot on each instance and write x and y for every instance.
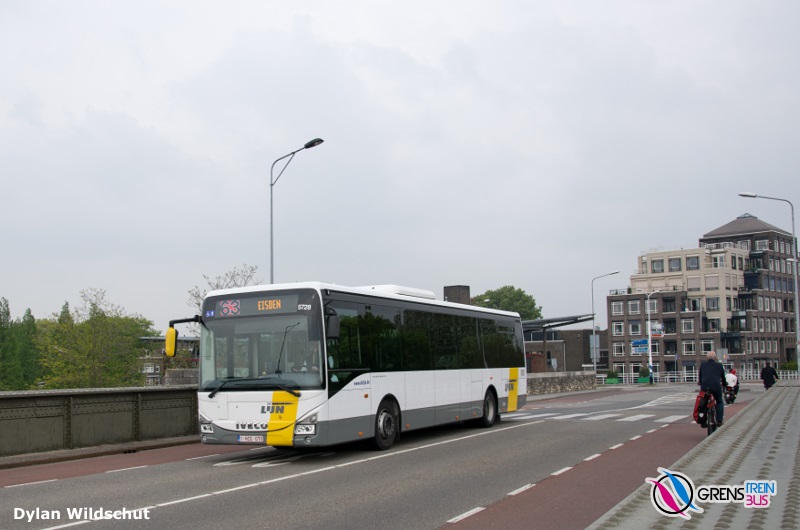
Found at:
(312, 364)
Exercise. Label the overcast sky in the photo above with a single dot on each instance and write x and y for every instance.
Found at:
(527, 143)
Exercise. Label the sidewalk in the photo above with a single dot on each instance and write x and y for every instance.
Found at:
(759, 443)
(48, 457)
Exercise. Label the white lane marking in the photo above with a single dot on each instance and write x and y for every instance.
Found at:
(601, 417)
(561, 471)
(199, 457)
(569, 416)
(520, 490)
(124, 469)
(68, 524)
(636, 437)
(465, 515)
(637, 417)
(591, 457)
(31, 483)
(670, 419)
(615, 446)
(184, 500)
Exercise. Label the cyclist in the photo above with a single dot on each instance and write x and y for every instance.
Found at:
(711, 378)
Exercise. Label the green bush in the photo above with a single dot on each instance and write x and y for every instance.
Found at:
(644, 371)
(612, 374)
(790, 366)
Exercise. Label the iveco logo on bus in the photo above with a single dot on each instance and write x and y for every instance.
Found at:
(251, 426)
(273, 408)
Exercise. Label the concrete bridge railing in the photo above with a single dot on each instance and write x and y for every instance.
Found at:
(49, 420)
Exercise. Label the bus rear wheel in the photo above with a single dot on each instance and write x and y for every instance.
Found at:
(387, 424)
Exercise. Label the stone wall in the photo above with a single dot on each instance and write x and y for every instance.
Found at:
(180, 376)
(551, 383)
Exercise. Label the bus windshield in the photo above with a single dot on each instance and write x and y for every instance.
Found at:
(257, 342)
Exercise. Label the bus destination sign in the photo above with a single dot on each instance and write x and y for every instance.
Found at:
(244, 307)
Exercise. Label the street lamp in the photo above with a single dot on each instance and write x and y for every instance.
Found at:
(593, 350)
(649, 335)
(751, 195)
(308, 145)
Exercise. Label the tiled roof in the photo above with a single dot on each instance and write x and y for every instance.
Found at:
(744, 224)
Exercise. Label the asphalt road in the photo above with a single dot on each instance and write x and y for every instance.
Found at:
(560, 462)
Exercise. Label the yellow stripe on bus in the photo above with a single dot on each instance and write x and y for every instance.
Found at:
(283, 415)
(513, 382)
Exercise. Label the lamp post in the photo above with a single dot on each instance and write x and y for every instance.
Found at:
(649, 335)
(751, 195)
(272, 181)
(594, 351)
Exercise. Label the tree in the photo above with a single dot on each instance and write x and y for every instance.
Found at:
(510, 298)
(233, 278)
(10, 366)
(97, 346)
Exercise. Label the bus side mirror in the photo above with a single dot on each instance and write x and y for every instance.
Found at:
(172, 342)
(332, 327)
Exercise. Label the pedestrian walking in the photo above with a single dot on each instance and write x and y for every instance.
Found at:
(769, 376)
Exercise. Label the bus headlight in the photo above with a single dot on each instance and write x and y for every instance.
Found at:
(306, 426)
(205, 424)
(305, 429)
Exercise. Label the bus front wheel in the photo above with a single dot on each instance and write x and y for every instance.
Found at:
(387, 424)
(489, 410)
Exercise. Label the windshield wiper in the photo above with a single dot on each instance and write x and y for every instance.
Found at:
(213, 393)
(286, 332)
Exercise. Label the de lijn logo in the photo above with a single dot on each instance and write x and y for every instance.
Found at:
(673, 494)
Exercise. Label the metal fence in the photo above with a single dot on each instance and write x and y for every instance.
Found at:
(691, 377)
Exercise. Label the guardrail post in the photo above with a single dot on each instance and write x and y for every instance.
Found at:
(68, 423)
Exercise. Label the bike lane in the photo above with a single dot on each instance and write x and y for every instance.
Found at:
(575, 498)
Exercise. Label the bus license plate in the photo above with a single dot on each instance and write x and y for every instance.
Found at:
(250, 439)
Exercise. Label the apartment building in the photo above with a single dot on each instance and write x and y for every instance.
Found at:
(733, 294)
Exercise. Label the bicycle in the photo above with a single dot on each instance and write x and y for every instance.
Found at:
(706, 411)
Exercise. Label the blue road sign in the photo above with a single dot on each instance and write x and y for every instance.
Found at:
(639, 342)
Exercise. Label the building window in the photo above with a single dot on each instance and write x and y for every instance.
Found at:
(688, 347)
(654, 348)
(761, 324)
(713, 325)
(690, 305)
(693, 283)
(692, 263)
(712, 303)
(616, 308)
(674, 264)
(618, 329)
(635, 328)
(669, 305)
(657, 265)
(633, 307)
(717, 262)
(652, 306)
(706, 346)
(619, 368)
(618, 348)
(687, 325)
(670, 327)
(712, 282)
(762, 244)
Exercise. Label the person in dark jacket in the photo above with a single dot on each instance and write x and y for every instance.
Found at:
(712, 379)
(768, 375)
